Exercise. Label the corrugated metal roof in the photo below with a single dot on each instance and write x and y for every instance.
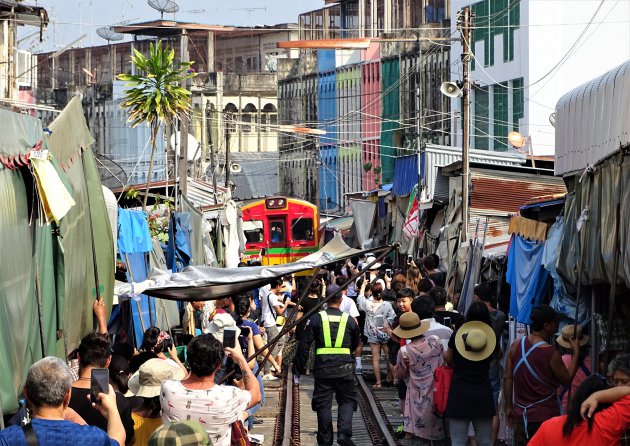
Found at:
(258, 176)
(497, 233)
(508, 191)
(439, 156)
(593, 121)
(405, 174)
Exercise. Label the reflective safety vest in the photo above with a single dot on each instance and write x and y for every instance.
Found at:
(328, 348)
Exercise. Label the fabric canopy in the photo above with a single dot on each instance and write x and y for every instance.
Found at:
(206, 283)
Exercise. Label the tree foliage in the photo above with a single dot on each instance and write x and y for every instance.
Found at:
(155, 96)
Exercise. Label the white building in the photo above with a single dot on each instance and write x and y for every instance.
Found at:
(527, 53)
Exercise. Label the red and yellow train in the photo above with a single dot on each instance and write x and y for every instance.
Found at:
(280, 230)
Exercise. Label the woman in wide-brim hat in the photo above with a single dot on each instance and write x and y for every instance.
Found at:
(416, 364)
(585, 363)
(470, 399)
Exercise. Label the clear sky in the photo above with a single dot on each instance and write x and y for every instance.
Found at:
(69, 19)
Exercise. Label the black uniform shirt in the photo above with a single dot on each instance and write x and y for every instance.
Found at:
(328, 366)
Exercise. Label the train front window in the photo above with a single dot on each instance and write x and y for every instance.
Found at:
(277, 232)
(254, 231)
(302, 229)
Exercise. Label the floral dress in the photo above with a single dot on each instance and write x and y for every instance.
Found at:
(425, 355)
(373, 308)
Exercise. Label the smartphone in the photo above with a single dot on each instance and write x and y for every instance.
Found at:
(409, 258)
(245, 332)
(447, 322)
(229, 337)
(403, 351)
(367, 277)
(380, 321)
(99, 383)
(388, 272)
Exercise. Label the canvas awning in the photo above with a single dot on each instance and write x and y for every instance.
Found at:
(206, 283)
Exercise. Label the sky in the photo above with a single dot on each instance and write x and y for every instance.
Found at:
(70, 19)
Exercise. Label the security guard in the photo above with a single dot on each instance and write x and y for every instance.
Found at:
(336, 336)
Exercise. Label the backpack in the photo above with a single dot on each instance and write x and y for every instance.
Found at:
(442, 384)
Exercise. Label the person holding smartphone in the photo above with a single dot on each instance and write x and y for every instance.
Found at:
(47, 391)
(94, 352)
(377, 312)
(197, 397)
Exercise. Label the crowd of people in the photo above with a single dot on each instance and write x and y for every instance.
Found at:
(457, 380)
(496, 393)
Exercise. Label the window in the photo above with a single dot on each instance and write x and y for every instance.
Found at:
(277, 232)
(269, 118)
(249, 116)
(500, 118)
(254, 231)
(230, 114)
(302, 229)
(518, 101)
(480, 127)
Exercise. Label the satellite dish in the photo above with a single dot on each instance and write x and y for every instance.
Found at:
(109, 34)
(450, 89)
(163, 6)
(552, 119)
(193, 145)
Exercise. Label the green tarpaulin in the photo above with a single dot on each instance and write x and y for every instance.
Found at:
(46, 273)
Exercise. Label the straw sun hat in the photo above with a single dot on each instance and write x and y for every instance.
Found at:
(567, 333)
(410, 326)
(369, 260)
(475, 341)
(146, 382)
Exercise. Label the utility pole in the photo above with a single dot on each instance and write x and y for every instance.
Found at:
(211, 144)
(419, 135)
(466, 33)
(228, 124)
(183, 128)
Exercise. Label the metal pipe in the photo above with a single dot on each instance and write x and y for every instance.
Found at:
(288, 326)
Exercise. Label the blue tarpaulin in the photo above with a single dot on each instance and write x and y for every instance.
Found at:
(527, 277)
(142, 306)
(134, 242)
(179, 251)
(133, 232)
(405, 175)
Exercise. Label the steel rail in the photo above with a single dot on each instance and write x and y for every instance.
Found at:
(383, 435)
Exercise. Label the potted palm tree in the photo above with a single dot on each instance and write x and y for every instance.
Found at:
(155, 96)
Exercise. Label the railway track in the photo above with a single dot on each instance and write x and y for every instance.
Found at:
(370, 423)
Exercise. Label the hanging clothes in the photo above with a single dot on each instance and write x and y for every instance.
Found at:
(133, 232)
(53, 193)
(527, 277)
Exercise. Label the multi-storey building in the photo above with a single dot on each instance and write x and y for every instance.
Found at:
(234, 93)
(526, 53)
(369, 103)
(16, 67)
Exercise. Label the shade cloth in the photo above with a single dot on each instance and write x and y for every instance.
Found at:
(205, 283)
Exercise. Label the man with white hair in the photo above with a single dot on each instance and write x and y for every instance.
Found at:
(47, 391)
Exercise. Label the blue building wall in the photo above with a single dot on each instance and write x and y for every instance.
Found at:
(327, 117)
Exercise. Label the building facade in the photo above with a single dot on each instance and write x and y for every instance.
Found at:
(371, 105)
(526, 53)
(234, 94)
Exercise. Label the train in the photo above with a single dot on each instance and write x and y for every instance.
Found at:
(279, 230)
